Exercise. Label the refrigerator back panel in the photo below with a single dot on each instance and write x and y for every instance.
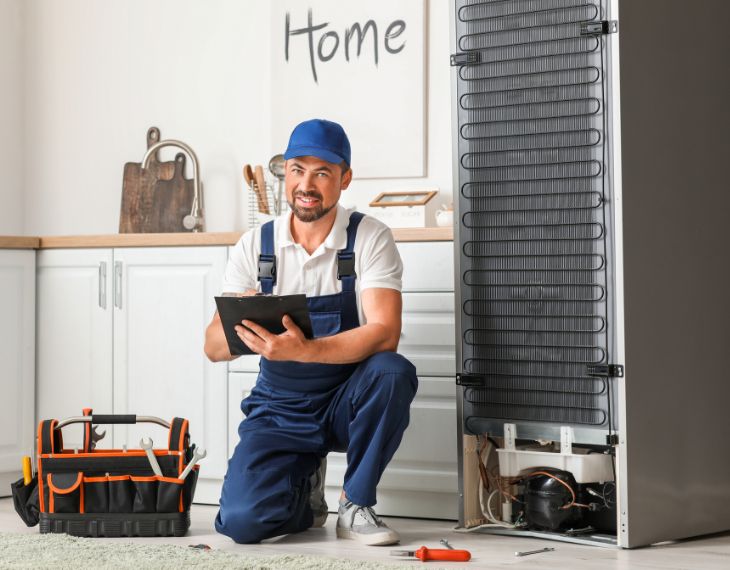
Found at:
(532, 191)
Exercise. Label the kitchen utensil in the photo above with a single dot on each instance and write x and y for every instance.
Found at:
(198, 454)
(424, 554)
(248, 176)
(258, 176)
(277, 167)
(146, 444)
(138, 188)
(194, 219)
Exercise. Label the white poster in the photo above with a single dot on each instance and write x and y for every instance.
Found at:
(360, 64)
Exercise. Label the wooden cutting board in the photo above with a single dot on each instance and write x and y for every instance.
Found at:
(139, 206)
(172, 200)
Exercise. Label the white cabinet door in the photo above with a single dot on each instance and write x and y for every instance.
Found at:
(245, 363)
(240, 385)
(422, 478)
(427, 266)
(17, 356)
(74, 336)
(162, 304)
(428, 333)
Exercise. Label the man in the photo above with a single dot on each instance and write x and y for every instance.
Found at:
(346, 389)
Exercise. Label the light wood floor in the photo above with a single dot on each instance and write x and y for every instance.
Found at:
(488, 551)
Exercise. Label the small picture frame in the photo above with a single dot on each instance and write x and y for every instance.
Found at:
(403, 198)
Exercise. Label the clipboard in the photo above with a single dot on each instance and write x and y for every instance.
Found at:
(265, 310)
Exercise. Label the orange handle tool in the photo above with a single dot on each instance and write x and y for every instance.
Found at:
(425, 554)
(442, 554)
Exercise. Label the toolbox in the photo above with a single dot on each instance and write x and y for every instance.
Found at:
(109, 492)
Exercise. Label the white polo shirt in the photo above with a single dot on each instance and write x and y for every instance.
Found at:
(377, 261)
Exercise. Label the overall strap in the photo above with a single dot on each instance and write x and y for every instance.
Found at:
(267, 259)
(346, 257)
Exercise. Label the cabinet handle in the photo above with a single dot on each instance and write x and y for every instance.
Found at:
(118, 284)
(102, 284)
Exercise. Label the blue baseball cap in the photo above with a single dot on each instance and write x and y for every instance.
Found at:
(324, 139)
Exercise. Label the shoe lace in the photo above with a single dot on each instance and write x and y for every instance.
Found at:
(369, 515)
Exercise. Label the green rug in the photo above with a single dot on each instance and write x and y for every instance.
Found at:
(61, 552)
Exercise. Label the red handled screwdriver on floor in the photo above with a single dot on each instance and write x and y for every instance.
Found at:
(425, 554)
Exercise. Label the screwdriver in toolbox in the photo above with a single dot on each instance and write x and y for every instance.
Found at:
(27, 470)
(425, 554)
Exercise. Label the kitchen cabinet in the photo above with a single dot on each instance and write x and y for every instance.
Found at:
(122, 329)
(422, 478)
(17, 355)
(73, 336)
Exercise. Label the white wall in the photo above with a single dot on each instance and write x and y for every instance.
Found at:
(98, 74)
(11, 118)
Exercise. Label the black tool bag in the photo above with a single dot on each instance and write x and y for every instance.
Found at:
(108, 492)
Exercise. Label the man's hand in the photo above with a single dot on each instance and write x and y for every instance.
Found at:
(289, 345)
(216, 345)
(380, 332)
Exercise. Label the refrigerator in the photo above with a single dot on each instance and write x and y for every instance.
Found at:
(591, 147)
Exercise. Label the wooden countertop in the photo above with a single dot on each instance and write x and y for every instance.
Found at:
(16, 242)
(182, 239)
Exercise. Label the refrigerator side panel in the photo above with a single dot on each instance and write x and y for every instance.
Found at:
(675, 149)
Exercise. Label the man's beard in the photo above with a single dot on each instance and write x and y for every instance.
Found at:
(309, 214)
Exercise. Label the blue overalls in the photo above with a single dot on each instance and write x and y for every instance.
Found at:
(298, 412)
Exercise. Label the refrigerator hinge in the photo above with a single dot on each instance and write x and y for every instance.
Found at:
(468, 58)
(607, 370)
(599, 28)
(469, 380)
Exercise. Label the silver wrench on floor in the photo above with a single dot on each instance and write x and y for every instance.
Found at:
(198, 454)
(146, 444)
(528, 552)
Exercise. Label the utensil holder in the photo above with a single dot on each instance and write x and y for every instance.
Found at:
(256, 218)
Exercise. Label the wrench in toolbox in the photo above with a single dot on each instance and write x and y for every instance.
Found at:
(146, 444)
(198, 454)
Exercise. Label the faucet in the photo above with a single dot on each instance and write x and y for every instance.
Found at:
(194, 220)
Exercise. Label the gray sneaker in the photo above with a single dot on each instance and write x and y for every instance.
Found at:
(361, 523)
(316, 495)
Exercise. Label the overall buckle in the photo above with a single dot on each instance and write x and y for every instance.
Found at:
(345, 266)
(267, 267)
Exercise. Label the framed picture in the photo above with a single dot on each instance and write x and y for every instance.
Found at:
(405, 198)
